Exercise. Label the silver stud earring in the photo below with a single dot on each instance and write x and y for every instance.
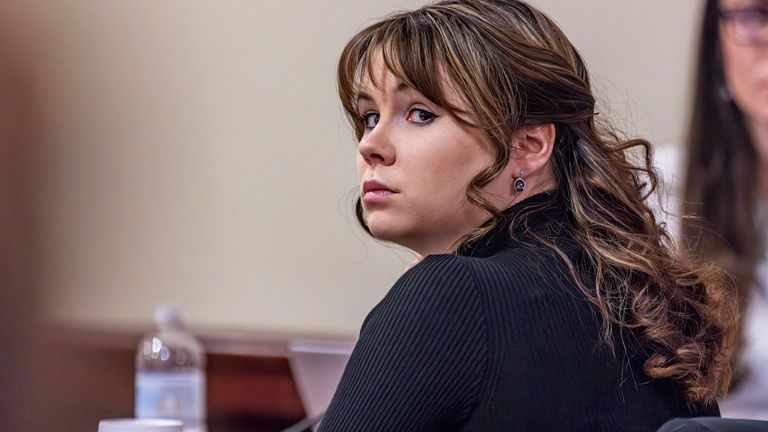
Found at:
(520, 182)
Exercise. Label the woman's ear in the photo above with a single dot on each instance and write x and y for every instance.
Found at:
(531, 148)
(527, 171)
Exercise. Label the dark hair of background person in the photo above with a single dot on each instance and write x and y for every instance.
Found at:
(682, 313)
(719, 191)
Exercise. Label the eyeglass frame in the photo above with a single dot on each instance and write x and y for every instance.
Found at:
(730, 17)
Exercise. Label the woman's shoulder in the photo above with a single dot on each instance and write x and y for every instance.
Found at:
(516, 275)
(513, 267)
(530, 268)
(521, 273)
(433, 279)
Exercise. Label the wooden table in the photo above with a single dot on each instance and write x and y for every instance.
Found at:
(91, 376)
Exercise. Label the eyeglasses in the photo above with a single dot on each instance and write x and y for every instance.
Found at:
(747, 25)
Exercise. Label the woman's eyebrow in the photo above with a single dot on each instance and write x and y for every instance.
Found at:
(362, 96)
(399, 88)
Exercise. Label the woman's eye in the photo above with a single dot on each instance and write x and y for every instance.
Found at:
(370, 119)
(420, 116)
(751, 17)
(758, 14)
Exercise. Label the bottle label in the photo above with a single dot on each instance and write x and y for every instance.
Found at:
(176, 395)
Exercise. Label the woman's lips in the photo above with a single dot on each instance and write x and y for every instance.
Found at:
(374, 190)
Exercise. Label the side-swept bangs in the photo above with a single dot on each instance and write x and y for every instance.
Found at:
(430, 53)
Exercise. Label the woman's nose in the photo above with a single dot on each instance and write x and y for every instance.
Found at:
(377, 147)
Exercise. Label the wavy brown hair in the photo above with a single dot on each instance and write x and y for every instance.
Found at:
(721, 167)
(514, 67)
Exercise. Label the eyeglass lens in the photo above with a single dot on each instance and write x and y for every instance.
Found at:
(747, 25)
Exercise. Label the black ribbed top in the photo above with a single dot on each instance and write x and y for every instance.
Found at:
(497, 339)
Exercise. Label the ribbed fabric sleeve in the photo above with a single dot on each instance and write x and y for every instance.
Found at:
(420, 362)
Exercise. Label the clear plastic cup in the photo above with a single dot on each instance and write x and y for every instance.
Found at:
(140, 425)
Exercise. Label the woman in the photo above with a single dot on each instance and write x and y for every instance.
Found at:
(726, 186)
(547, 298)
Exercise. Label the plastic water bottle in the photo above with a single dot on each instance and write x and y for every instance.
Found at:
(170, 373)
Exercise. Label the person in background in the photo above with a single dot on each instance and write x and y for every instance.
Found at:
(548, 297)
(726, 180)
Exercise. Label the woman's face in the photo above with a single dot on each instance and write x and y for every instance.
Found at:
(745, 59)
(414, 163)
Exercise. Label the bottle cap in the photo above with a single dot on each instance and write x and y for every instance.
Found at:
(167, 317)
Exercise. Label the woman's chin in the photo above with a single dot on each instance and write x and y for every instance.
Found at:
(386, 230)
(386, 234)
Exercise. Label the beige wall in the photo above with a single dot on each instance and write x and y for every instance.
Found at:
(194, 152)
